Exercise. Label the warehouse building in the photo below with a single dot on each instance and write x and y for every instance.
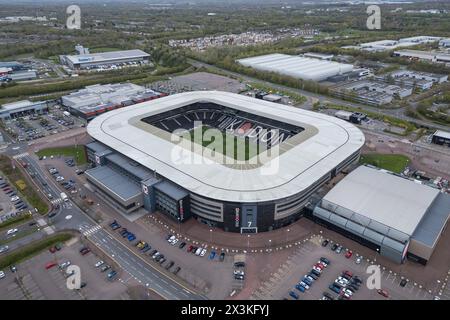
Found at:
(430, 56)
(421, 80)
(391, 214)
(441, 137)
(95, 60)
(98, 99)
(386, 45)
(23, 108)
(444, 43)
(296, 66)
(372, 92)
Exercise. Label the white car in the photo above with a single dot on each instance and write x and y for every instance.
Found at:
(198, 251)
(11, 231)
(303, 284)
(317, 269)
(2, 274)
(59, 178)
(358, 259)
(309, 278)
(15, 198)
(202, 254)
(156, 254)
(3, 249)
(171, 239)
(238, 272)
(174, 241)
(99, 263)
(64, 265)
(322, 263)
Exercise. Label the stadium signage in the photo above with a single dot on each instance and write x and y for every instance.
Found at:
(236, 217)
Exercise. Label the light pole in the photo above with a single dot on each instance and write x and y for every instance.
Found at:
(270, 244)
(210, 232)
(287, 235)
(179, 225)
(248, 241)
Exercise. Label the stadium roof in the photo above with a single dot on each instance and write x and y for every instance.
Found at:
(303, 164)
(296, 66)
(384, 197)
(106, 56)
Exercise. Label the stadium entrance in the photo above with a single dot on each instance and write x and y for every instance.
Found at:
(249, 218)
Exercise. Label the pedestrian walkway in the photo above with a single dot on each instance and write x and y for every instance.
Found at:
(56, 201)
(91, 231)
(21, 155)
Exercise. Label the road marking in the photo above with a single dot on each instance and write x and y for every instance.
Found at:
(21, 155)
(92, 230)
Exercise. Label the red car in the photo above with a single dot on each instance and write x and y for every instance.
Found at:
(50, 265)
(348, 273)
(349, 254)
(320, 266)
(384, 293)
(190, 248)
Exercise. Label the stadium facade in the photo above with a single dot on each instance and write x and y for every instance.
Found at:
(137, 163)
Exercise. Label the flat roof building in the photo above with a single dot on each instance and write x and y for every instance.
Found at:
(97, 99)
(22, 108)
(83, 61)
(435, 57)
(384, 211)
(441, 137)
(296, 66)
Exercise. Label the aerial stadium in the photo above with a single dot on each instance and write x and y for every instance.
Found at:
(148, 157)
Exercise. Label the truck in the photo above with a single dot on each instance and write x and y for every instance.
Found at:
(64, 196)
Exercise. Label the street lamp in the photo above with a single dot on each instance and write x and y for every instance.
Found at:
(270, 244)
(287, 235)
(248, 241)
(210, 232)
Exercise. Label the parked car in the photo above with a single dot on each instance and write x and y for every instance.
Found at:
(339, 249)
(334, 288)
(2, 274)
(182, 244)
(349, 254)
(300, 288)
(99, 263)
(334, 247)
(383, 292)
(222, 256)
(212, 255)
(358, 259)
(239, 264)
(4, 249)
(105, 267)
(50, 265)
(169, 265)
(189, 249)
(403, 282)
(64, 265)
(177, 269)
(84, 251)
(198, 251)
(203, 252)
(312, 275)
(11, 231)
(112, 274)
(293, 295)
(325, 243)
(325, 260)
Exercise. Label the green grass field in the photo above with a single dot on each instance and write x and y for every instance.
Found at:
(230, 147)
(77, 153)
(392, 162)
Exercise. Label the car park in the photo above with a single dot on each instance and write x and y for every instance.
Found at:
(99, 263)
(177, 269)
(293, 295)
(383, 292)
(300, 288)
(105, 267)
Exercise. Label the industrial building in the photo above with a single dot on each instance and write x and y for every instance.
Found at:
(372, 92)
(134, 146)
(353, 117)
(441, 137)
(421, 80)
(320, 56)
(429, 56)
(391, 214)
(22, 108)
(95, 60)
(97, 99)
(386, 45)
(296, 66)
(444, 43)
(14, 65)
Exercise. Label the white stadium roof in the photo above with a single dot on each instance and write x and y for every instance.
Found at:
(296, 66)
(384, 197)
(334, 141)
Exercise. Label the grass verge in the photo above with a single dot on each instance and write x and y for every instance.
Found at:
(32, 249)
(14, 221)
(76, 152)
(392, 162)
